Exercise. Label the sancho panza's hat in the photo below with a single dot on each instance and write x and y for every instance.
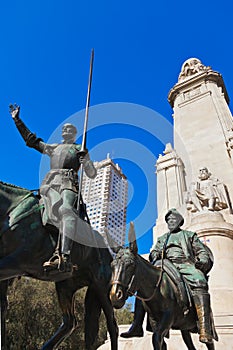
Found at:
(173, 211)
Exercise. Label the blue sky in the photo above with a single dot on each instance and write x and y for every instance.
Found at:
(139, 49)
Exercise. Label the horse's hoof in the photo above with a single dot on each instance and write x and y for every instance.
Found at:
(206, 340)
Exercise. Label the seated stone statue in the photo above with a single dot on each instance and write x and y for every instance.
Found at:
(191, 258)
(60, 187)
(206, 193)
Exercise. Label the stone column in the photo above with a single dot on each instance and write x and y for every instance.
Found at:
(171, 186)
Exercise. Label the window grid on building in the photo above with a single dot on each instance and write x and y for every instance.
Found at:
(106, 200)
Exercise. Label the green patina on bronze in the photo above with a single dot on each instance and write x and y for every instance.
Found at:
(25, 243)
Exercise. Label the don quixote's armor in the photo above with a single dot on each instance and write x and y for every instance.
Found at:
(60, 187)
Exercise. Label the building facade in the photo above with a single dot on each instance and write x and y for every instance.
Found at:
(106, 200)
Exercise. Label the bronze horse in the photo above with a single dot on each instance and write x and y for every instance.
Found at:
(25, 244)
(132, 274)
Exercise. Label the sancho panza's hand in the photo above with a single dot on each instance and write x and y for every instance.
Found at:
(14, 110)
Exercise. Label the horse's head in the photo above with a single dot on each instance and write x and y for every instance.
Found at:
(123, 271)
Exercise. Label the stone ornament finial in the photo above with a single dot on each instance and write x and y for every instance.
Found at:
(191, 67)
(168, 148)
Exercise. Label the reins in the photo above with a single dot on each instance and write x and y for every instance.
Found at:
(158, 282)
(155, 288)
(129, 286)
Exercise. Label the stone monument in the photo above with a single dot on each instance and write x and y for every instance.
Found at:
(196, 177)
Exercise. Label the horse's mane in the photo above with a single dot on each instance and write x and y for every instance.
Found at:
(144, 260)
(148, 263)
(141, 258)
(13, 186)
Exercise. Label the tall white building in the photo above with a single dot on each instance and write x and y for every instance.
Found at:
(106, 199)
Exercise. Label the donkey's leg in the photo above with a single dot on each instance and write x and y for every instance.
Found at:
(162, 329)
(188, 340)
(65, 293)
(106, 305)
(92, 315)
(158, 341)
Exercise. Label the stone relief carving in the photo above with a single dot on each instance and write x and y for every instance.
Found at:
(207, 193)
(192, 66)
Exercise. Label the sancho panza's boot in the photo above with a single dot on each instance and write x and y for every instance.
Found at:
(202, 304)
(136, 329)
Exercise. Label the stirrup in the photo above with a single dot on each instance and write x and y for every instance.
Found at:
(54, 262)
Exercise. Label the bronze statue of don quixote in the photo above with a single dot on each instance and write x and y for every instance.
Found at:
(43, 235)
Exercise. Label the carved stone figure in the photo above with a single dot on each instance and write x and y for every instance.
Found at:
(191, 67)
(60, 186)
(207, 193)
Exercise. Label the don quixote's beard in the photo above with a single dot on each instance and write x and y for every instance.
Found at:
(204, 176)
(68, 137)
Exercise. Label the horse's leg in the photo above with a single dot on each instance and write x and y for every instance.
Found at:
(3, 310)
(210, 346)
(188, 339)
(92, 315)
(107, 307)
(65, 293)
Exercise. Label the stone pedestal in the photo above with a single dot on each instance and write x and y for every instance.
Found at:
(132, 343)
(217, 234)
(175, 341)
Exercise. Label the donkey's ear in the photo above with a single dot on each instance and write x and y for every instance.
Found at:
(115, 249)
(112, 244)
(132, 239)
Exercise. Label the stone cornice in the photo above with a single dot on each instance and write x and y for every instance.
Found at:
(195, 79)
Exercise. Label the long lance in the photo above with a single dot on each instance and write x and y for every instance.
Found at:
(83, 146)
